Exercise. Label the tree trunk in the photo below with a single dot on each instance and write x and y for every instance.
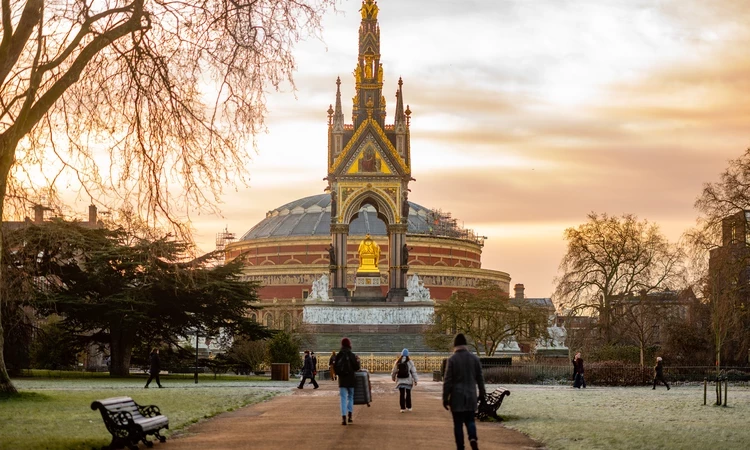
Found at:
(6, 386)
(605, 323)
(718, 356)
(643, 363)
(121, 349)
(7, 150)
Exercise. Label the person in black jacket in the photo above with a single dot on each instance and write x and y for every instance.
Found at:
(580, 380)
(346, 364)
(659, 373)
(314, 364)
(463, 375)
(307, 372)
(154, 368)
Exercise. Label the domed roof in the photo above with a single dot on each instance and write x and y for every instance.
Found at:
(311, 216)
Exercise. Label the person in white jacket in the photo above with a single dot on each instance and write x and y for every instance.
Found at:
(405, 374)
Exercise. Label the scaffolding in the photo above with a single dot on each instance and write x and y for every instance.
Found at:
(443, 224)
(223, 239)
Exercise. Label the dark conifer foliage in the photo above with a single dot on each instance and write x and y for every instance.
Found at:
(118, 289)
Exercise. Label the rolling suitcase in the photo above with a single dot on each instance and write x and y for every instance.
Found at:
(362, 388)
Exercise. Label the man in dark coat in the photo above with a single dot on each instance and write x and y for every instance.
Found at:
(659, 373)
(463, 375)
(307, 372)
(314, 364)
(346, 364)
(579, 379)
(154, 368)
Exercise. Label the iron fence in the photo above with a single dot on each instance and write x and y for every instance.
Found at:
(608, 374)
(384, 363)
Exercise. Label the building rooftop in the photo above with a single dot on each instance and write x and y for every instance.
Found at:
(311, 216)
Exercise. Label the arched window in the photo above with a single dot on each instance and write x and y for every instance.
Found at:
(269, 320)
(253, 317)
(287, 322)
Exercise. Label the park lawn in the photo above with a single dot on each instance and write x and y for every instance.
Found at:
(56, 414)
(628, 418)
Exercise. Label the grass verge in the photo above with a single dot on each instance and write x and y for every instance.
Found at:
(56, 414)
(628, 418)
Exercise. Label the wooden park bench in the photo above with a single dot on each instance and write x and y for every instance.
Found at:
(129, 422)
(488, 408)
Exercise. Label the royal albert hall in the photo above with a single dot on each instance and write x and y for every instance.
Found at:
(369, 171)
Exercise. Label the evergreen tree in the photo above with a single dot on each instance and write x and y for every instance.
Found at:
(115, 288)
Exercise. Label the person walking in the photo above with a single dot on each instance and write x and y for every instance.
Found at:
(154, 368)
(331, 364)
(463, 375)
(580, 380)
(307, 372)
(659, 373)
(346, 364)
(314, 365)
(405, 373)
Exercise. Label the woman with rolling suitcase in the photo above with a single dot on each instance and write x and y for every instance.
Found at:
(346, 365)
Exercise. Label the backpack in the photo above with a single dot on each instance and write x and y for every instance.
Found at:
(403, 369)
(344, 365)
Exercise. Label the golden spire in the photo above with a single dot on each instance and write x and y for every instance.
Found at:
(368, 73)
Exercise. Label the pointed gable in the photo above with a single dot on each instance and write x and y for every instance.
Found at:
(370, 146)
(368, 159)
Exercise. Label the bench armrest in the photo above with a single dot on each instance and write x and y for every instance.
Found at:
(149, 410)
(122, 418)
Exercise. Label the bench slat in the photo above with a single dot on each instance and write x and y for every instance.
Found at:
(151, 423)
(115, 400)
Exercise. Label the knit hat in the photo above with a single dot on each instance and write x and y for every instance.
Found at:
(346, 343)
(460, 339)
(405, 352)
(658, 358)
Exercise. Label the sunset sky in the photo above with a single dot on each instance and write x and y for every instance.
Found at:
(527, 115)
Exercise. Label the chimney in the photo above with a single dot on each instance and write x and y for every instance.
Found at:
(519, 291)
(92, 214)
(39, 214)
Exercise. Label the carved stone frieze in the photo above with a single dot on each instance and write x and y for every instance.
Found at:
(368, 315)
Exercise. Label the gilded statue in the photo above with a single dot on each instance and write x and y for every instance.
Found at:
(368, 68)
(369, 255)
(369, 9)
(380, 73)
(357, 75)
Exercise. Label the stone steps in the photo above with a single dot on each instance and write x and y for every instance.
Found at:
(324, 343)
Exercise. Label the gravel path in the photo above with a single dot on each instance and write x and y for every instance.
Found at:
(310, 419)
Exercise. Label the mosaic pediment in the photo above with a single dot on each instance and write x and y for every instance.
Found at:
(369, 159)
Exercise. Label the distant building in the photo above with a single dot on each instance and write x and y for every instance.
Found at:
(729, 284)
(662, 306)
(39, 210)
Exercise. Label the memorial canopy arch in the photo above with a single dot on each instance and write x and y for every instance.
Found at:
(369, 163)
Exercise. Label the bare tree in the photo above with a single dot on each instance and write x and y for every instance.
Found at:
(163, 95)
(643, 316)
(609, 257)
(724, 198)
(722, 237)
(487, 317)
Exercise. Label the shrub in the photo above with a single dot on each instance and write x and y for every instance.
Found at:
(532, 374)
(55, 348)
(623, 353)
(617, 373)
(737, 375)
(284, 348)
(246, 355)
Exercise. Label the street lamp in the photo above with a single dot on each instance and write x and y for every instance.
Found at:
(196, 355)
